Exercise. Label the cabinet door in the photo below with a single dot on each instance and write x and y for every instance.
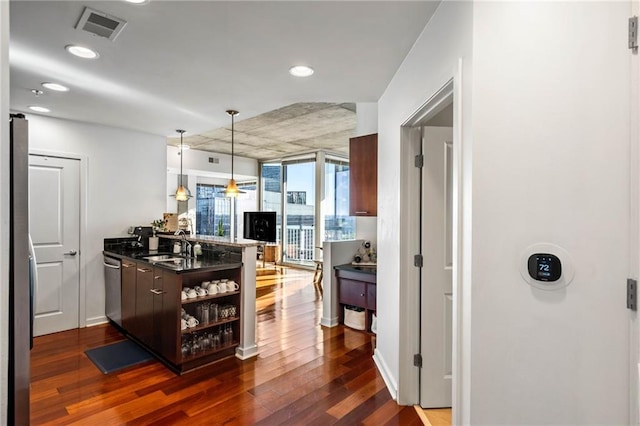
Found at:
(371, 297)
(352, 293)
(363, 175)
(128, 297)
(158, 298)
(144, 303)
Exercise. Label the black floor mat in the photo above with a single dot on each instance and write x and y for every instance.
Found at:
(117, 356)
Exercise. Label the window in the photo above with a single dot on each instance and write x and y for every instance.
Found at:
(300, 212)
(213, 210)
(245, 203)
(289, 189)
(272, 192)
(338, 225)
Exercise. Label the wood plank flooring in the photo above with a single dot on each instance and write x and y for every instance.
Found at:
(304, 374)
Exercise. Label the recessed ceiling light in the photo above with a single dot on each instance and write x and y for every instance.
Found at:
(39, 108)
(81, 52)
(55, 86)
(300, 71)
(136, 1)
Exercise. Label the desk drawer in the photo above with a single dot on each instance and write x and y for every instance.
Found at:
(352, 293)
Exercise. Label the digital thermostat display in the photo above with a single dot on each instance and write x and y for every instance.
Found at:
(545, 267)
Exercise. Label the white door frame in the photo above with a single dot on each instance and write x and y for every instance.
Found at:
(408, 389)
(82, 292)
(634, 240)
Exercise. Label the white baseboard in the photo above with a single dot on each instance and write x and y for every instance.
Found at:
(90, 322)
(392, 386)
(246, 353)
(329, 322)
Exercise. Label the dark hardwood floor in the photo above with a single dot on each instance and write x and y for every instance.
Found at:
(304, 374)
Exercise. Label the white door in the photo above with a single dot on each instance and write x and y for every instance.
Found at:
(436, 288)
(54, 225)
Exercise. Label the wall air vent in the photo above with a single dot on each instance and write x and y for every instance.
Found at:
(100, 24)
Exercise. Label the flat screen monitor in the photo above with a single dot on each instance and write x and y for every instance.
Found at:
(260, 226)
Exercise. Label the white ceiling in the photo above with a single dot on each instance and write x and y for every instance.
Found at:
(182, 64)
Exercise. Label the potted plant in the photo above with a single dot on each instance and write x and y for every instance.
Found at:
(158, 226)
(220, 228)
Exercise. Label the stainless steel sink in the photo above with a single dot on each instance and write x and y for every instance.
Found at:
(162, 258)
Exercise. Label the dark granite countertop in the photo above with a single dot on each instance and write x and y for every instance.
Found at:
(370, 269)
(213, 258)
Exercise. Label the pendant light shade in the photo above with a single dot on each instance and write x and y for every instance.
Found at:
(182, 193)
(232, 188)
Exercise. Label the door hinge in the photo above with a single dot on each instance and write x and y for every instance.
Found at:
(418, 260)
(632, 294)
(417, 360)
(633, 33)
(419, 161)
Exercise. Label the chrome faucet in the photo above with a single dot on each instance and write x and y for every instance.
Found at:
(185, 246)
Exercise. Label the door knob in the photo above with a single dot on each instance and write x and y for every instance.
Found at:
(71, 253)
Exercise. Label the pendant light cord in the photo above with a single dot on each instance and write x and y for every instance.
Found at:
(232, 151)
(181, 152)
(232, 113)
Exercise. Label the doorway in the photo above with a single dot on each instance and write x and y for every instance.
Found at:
(430, 206)
(54, 225)
(299, 177)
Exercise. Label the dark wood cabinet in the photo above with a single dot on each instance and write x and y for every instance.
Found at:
(144, 304)
(128, 297)
(363, 175)
(152, 312)
(357, 287)
(352, 292)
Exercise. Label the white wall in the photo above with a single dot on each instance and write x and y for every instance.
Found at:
(196, 162)
(4, 207)
(126, 184)
(430, 64)
(550, 163)
(545, 133)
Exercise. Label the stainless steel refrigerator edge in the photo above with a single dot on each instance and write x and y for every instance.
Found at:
(19, 284)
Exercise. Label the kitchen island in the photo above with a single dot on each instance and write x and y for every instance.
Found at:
(152, 305)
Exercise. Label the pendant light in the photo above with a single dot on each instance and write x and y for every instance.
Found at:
(232, 188)
(182, 193)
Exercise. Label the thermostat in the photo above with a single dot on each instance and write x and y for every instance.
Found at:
(546, 266)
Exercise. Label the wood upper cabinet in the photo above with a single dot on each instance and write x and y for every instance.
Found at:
(363, 175)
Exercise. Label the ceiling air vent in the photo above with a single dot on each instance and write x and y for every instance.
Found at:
(100, 24)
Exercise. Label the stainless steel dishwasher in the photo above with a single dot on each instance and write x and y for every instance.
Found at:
(113, 289)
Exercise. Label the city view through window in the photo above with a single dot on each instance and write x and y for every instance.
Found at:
(217, 215)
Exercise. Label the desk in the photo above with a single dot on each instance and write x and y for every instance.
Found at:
(357, 287)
